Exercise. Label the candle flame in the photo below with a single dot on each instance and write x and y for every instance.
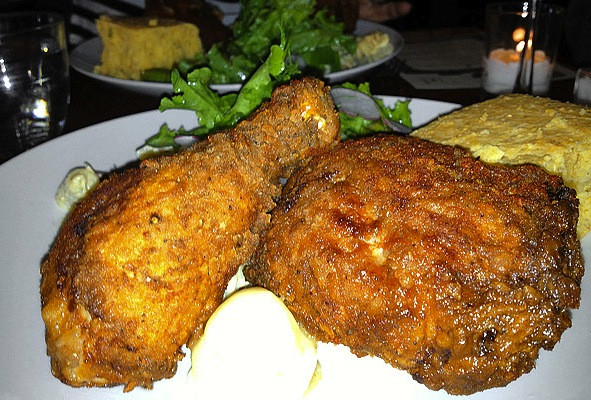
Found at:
(514, 55)
(521, 45)
(519, 38)
(518, 35)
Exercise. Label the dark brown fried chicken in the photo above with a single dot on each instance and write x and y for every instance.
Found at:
(444, 266)
(143, 261)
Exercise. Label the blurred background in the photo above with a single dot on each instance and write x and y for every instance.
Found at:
(441, 58)
(424, 14)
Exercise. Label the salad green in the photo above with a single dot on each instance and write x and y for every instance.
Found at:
(356, 126)
(314, 36)
(317, 41)
(215, 111)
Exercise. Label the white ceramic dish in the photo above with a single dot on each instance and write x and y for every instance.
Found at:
(30, 219)
(87, 56)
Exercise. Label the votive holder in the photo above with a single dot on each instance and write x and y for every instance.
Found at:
(515, 34)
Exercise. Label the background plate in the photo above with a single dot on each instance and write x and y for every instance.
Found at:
(87, 56)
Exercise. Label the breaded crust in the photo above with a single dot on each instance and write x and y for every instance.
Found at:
(456, 271)
(142, 262)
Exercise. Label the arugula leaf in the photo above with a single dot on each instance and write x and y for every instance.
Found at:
(259, 87)
(165, 136)
(356, 126)
(215, 111)
(316, 37)
(400, 112)
(225, 71)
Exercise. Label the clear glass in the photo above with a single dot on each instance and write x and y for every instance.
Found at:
(511, 37)
(582, 88)
(34, 80)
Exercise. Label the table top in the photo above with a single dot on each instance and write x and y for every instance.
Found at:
(93, 101)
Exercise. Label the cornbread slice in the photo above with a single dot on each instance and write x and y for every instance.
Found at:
(132, 45)
(518, 129)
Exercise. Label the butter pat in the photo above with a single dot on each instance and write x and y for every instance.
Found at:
(373, 47)
(76, 185)
(133, 45)
(252, 348)
(520, 129)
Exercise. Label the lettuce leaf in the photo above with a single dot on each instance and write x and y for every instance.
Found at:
(356, 126)
(315, 37)
(214, 111)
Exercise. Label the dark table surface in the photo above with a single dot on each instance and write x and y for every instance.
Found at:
(93, 101)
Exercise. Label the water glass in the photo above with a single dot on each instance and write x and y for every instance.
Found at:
(582, 88)
(34, 80)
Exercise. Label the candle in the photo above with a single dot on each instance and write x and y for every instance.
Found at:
(501, 67)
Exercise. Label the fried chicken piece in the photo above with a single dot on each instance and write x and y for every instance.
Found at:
(143, 261)
(451, 269)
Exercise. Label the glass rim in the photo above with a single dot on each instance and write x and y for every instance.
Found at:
(39, 20)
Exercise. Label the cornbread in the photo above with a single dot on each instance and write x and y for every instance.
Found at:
(132, 45)
(519, 129)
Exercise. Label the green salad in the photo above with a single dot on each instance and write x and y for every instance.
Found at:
(216, 111)
(316, 40)
(357, 126)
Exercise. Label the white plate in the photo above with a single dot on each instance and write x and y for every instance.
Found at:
(29, 221)
(87, 56)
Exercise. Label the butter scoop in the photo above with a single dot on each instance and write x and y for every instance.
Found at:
(76, 184)
(253, 348)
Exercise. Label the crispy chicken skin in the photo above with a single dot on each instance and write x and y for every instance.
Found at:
(142, 262)
(451, 269)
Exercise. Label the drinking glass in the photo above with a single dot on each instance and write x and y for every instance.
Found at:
(34, 80)
(582, 88)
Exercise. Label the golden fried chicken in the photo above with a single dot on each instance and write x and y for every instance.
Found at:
(451, 269)
(143, 261)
